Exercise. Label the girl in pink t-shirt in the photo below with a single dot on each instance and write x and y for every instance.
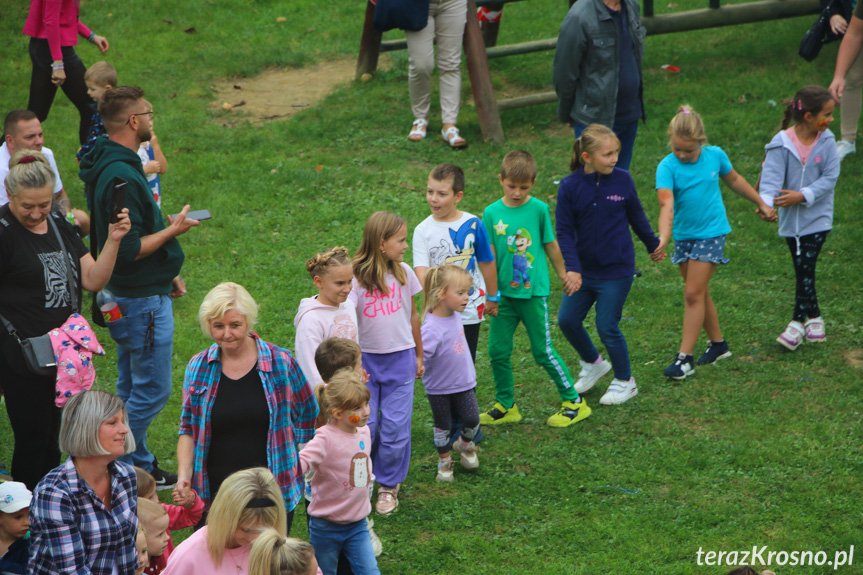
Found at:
(339, 454)
(389, 333)
(450, 381)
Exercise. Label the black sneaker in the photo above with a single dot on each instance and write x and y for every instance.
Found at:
(715, 351)
(164, 479)
(682, 367)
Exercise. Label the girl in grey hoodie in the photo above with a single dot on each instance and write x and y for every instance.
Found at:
(799, 174)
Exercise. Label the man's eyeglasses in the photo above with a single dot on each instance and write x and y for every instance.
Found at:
(150, 113)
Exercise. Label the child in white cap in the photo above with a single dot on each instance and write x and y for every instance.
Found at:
(14, 527)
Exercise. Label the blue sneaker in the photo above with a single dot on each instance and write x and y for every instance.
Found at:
(682, 367)
(715, 351)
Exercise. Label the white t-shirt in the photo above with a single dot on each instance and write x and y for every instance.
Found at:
(384, 320)
(5, 156)
(463, 242)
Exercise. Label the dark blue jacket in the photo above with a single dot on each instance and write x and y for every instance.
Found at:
(593, 216)
(15, 559)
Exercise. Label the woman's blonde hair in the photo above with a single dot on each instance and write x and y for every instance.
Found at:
(344, 391)
(320, 264)
(591, 140)
(274, 554)
(370, 263)
(33, 173)
(250, 497)
(687, 125)
(224, 297)
(438, 280)
(83, 415)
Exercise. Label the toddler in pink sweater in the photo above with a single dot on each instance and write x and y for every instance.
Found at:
(340, 455)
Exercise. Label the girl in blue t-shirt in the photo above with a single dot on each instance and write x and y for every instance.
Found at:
(687, 184)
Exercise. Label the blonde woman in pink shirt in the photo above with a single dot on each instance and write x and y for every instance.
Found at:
(53, 27)
(340, 455)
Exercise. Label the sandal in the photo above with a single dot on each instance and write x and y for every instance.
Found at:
(418, 130)
(451, 137)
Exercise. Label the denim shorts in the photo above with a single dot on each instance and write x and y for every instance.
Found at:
(710, 251)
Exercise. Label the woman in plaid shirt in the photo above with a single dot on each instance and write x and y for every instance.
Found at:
(246, 403)
(84, 515)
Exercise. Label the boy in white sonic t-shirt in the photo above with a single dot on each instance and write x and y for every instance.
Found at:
(451, 236)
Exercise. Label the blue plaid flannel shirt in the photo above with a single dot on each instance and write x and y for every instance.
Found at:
(71, 530)
(292, 405)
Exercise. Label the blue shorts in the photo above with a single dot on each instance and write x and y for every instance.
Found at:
(710, 251)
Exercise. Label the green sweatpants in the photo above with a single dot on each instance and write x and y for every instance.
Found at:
(533, 313)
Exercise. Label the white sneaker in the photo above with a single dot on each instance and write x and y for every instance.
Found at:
(792, 337)
(469, 458)
(844, 147)
(815, 331)
(590, 374)
(377, 546)
(444, 470)
(619, 392)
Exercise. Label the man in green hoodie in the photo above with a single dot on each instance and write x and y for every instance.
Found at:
(146, 275)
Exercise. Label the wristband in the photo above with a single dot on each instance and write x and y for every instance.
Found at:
(493, 298)
(91, 37)
(58, 65)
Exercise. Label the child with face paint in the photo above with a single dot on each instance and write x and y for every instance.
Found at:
(799, 175)
(340, 454)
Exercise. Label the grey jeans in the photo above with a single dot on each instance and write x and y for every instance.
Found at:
(446, 24)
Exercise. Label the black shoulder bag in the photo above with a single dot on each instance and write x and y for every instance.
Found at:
(37, 351)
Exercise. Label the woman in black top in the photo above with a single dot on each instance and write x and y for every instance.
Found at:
(35, 298)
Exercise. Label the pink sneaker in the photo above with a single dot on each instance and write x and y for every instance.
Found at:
(792, 337)
(815, 330)
(388, 500)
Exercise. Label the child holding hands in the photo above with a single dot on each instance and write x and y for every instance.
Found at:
(187, 513)
(522, 235)
(799, 175)
(450, 378)
(596, 205)
(687, 185)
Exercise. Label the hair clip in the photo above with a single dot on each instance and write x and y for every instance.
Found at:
(27, 160)
(800, 105)
(686, 110)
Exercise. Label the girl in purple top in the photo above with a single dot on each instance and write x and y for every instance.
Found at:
(450, 379)
(596, 205)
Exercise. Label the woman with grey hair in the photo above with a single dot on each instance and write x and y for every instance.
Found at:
(246, 403)
(83, 518)
(36, 296)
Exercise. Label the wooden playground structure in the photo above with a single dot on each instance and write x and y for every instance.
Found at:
(479, 45)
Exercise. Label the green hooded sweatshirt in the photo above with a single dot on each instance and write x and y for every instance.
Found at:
(153, 274)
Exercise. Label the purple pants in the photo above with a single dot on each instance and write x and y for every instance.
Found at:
(391, 382)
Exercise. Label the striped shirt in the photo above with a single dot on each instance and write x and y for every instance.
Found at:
(292, 406)
(72, 531)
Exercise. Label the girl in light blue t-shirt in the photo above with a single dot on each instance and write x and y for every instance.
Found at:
(687, 184)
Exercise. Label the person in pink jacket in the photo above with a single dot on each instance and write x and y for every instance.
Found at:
(340, 454)
(328, 314)
(53, 27)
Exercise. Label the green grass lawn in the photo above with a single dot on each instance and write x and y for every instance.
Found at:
(761, 449)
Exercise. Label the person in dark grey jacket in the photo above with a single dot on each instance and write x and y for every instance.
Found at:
(597, 69)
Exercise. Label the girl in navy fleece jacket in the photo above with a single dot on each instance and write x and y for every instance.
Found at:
(596, 205)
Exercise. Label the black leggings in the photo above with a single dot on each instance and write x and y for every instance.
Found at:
(805, 299)
(42, 90)
(34, 417)
(443, 407)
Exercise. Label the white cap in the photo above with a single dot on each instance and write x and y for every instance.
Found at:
(14, 496)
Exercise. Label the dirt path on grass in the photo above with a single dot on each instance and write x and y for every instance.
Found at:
(279, 94)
